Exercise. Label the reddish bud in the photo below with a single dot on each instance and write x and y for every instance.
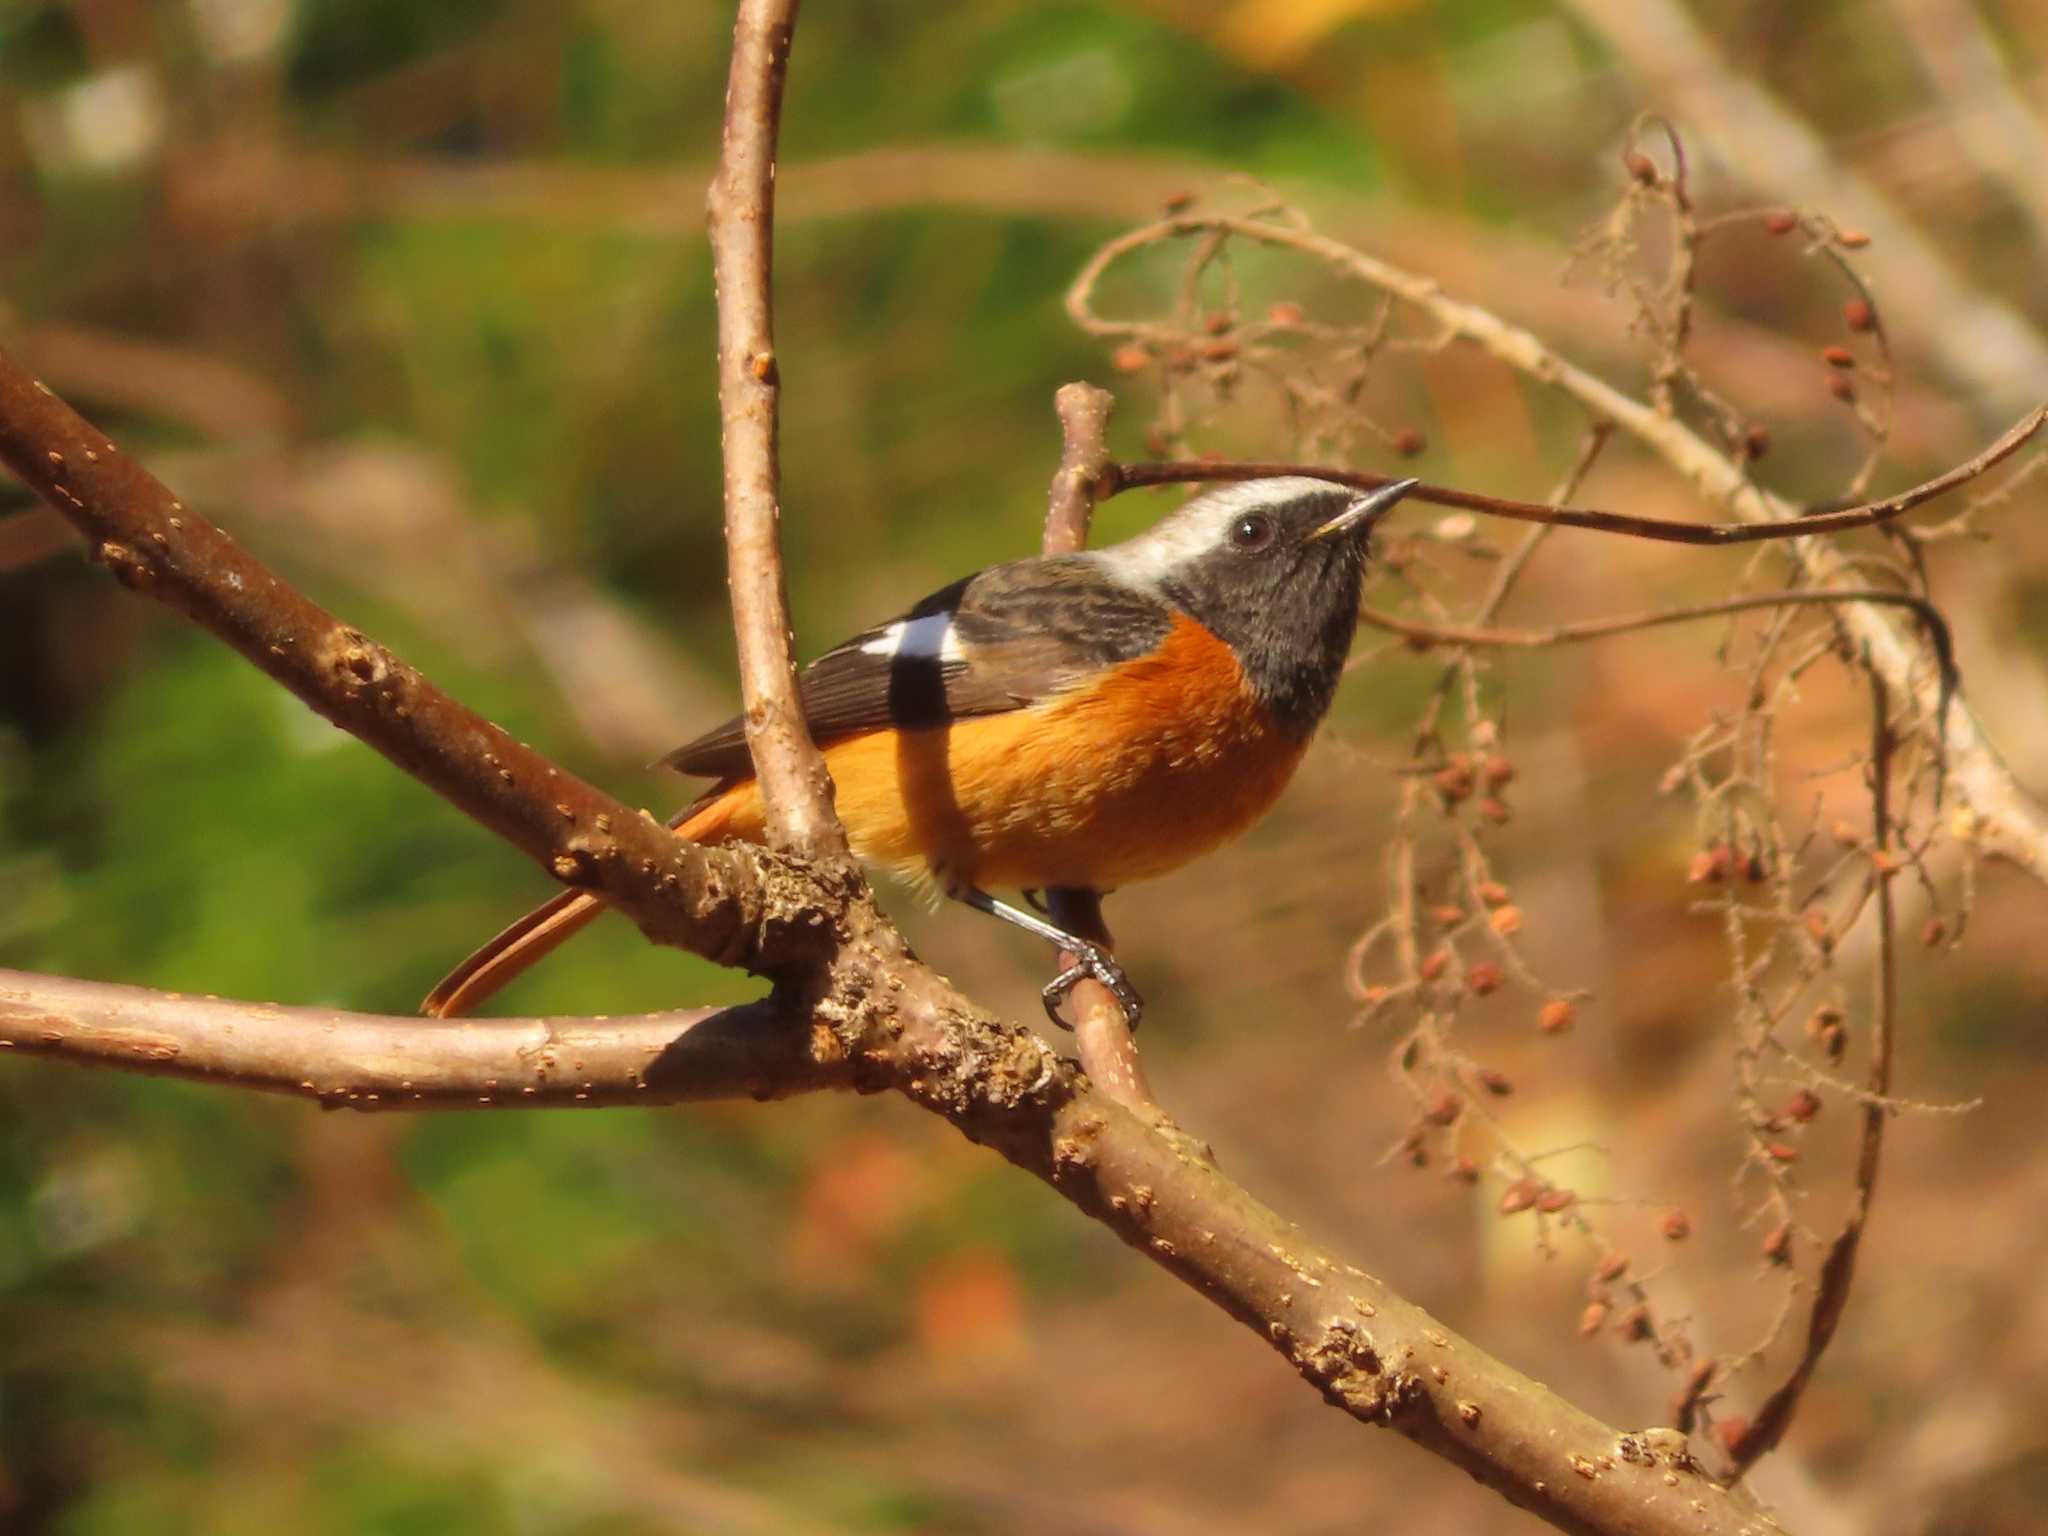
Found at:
(1838, 357)
(1551, 1201)
(1858, 315)
(1453, 783)
(1935, 931)
(1756, 442)
(1640, 167)
(1754, 869)
(1463, 1169)
(1483, 978)
(1613, 1267)
(1844, 834)
(1495, 1083)
(1833, 1039)
(1499, 772)
(1840, 387)
(1434, 965)
(1593, 1319)
(1781, 221)
(1221, 350)
(1218, 321)
(1778, 1244)
(1444, 1108)
(1802, 1106)
(1635, 1324)
(1519, 1196)
(1131, 359)
(1781, 1152)
(1408, 442)
(1817, 930)
(1156, 443)
(1493, 893)
(1495, 810)
(1506, 921)
(1286, 312)
(1556, 1016)
(1676, 1226)
(1851, 239)
(1709, 866)
(1449, 917)
(1731, 1432)
(1179, 201)
(1823, 1016)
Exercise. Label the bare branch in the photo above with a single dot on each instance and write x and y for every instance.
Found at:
(1102, 1034)
(1838, 1268)
(366, 1061)
(2005, 821)
(1869, 515)
(710, 901)
(1086, 470)
(794, 784)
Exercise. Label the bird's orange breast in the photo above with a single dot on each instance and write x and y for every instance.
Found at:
(1120, 779)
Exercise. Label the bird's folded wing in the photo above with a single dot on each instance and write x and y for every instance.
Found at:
(999, 640)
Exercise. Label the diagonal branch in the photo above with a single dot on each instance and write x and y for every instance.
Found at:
(711, 901)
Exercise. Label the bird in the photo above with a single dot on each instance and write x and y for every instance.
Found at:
(1080, 721)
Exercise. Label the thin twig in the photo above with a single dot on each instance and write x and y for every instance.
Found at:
(1086, 469)
(1938, 633)
(794, 784)
(1663, 530)
(1838, 1269)
(1102, 1035)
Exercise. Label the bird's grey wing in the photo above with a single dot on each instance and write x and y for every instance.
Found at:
(998, 640)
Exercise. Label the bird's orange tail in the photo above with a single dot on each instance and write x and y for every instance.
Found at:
(731, 812)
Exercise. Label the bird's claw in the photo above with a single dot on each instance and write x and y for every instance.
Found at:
(1092, 962)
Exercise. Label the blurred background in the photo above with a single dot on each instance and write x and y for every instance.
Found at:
(413, 299)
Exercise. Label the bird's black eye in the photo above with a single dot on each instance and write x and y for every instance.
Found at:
(1251, 532)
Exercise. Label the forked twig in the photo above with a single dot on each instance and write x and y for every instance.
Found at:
(1838, 1269)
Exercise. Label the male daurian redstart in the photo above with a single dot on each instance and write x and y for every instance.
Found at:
(1081, 720)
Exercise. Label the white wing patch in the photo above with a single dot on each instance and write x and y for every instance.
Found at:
(931, 636)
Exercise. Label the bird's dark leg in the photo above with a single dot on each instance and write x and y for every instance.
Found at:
(1090, 958)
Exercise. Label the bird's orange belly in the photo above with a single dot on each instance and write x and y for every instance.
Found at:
(1108, 784)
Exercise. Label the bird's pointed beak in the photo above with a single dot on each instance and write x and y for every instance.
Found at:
(1365, 510)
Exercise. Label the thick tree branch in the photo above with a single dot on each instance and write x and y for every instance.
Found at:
(365, 1061)
(741, 205)
(738, 906)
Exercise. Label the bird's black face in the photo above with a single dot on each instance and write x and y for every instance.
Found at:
(1273, 567)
